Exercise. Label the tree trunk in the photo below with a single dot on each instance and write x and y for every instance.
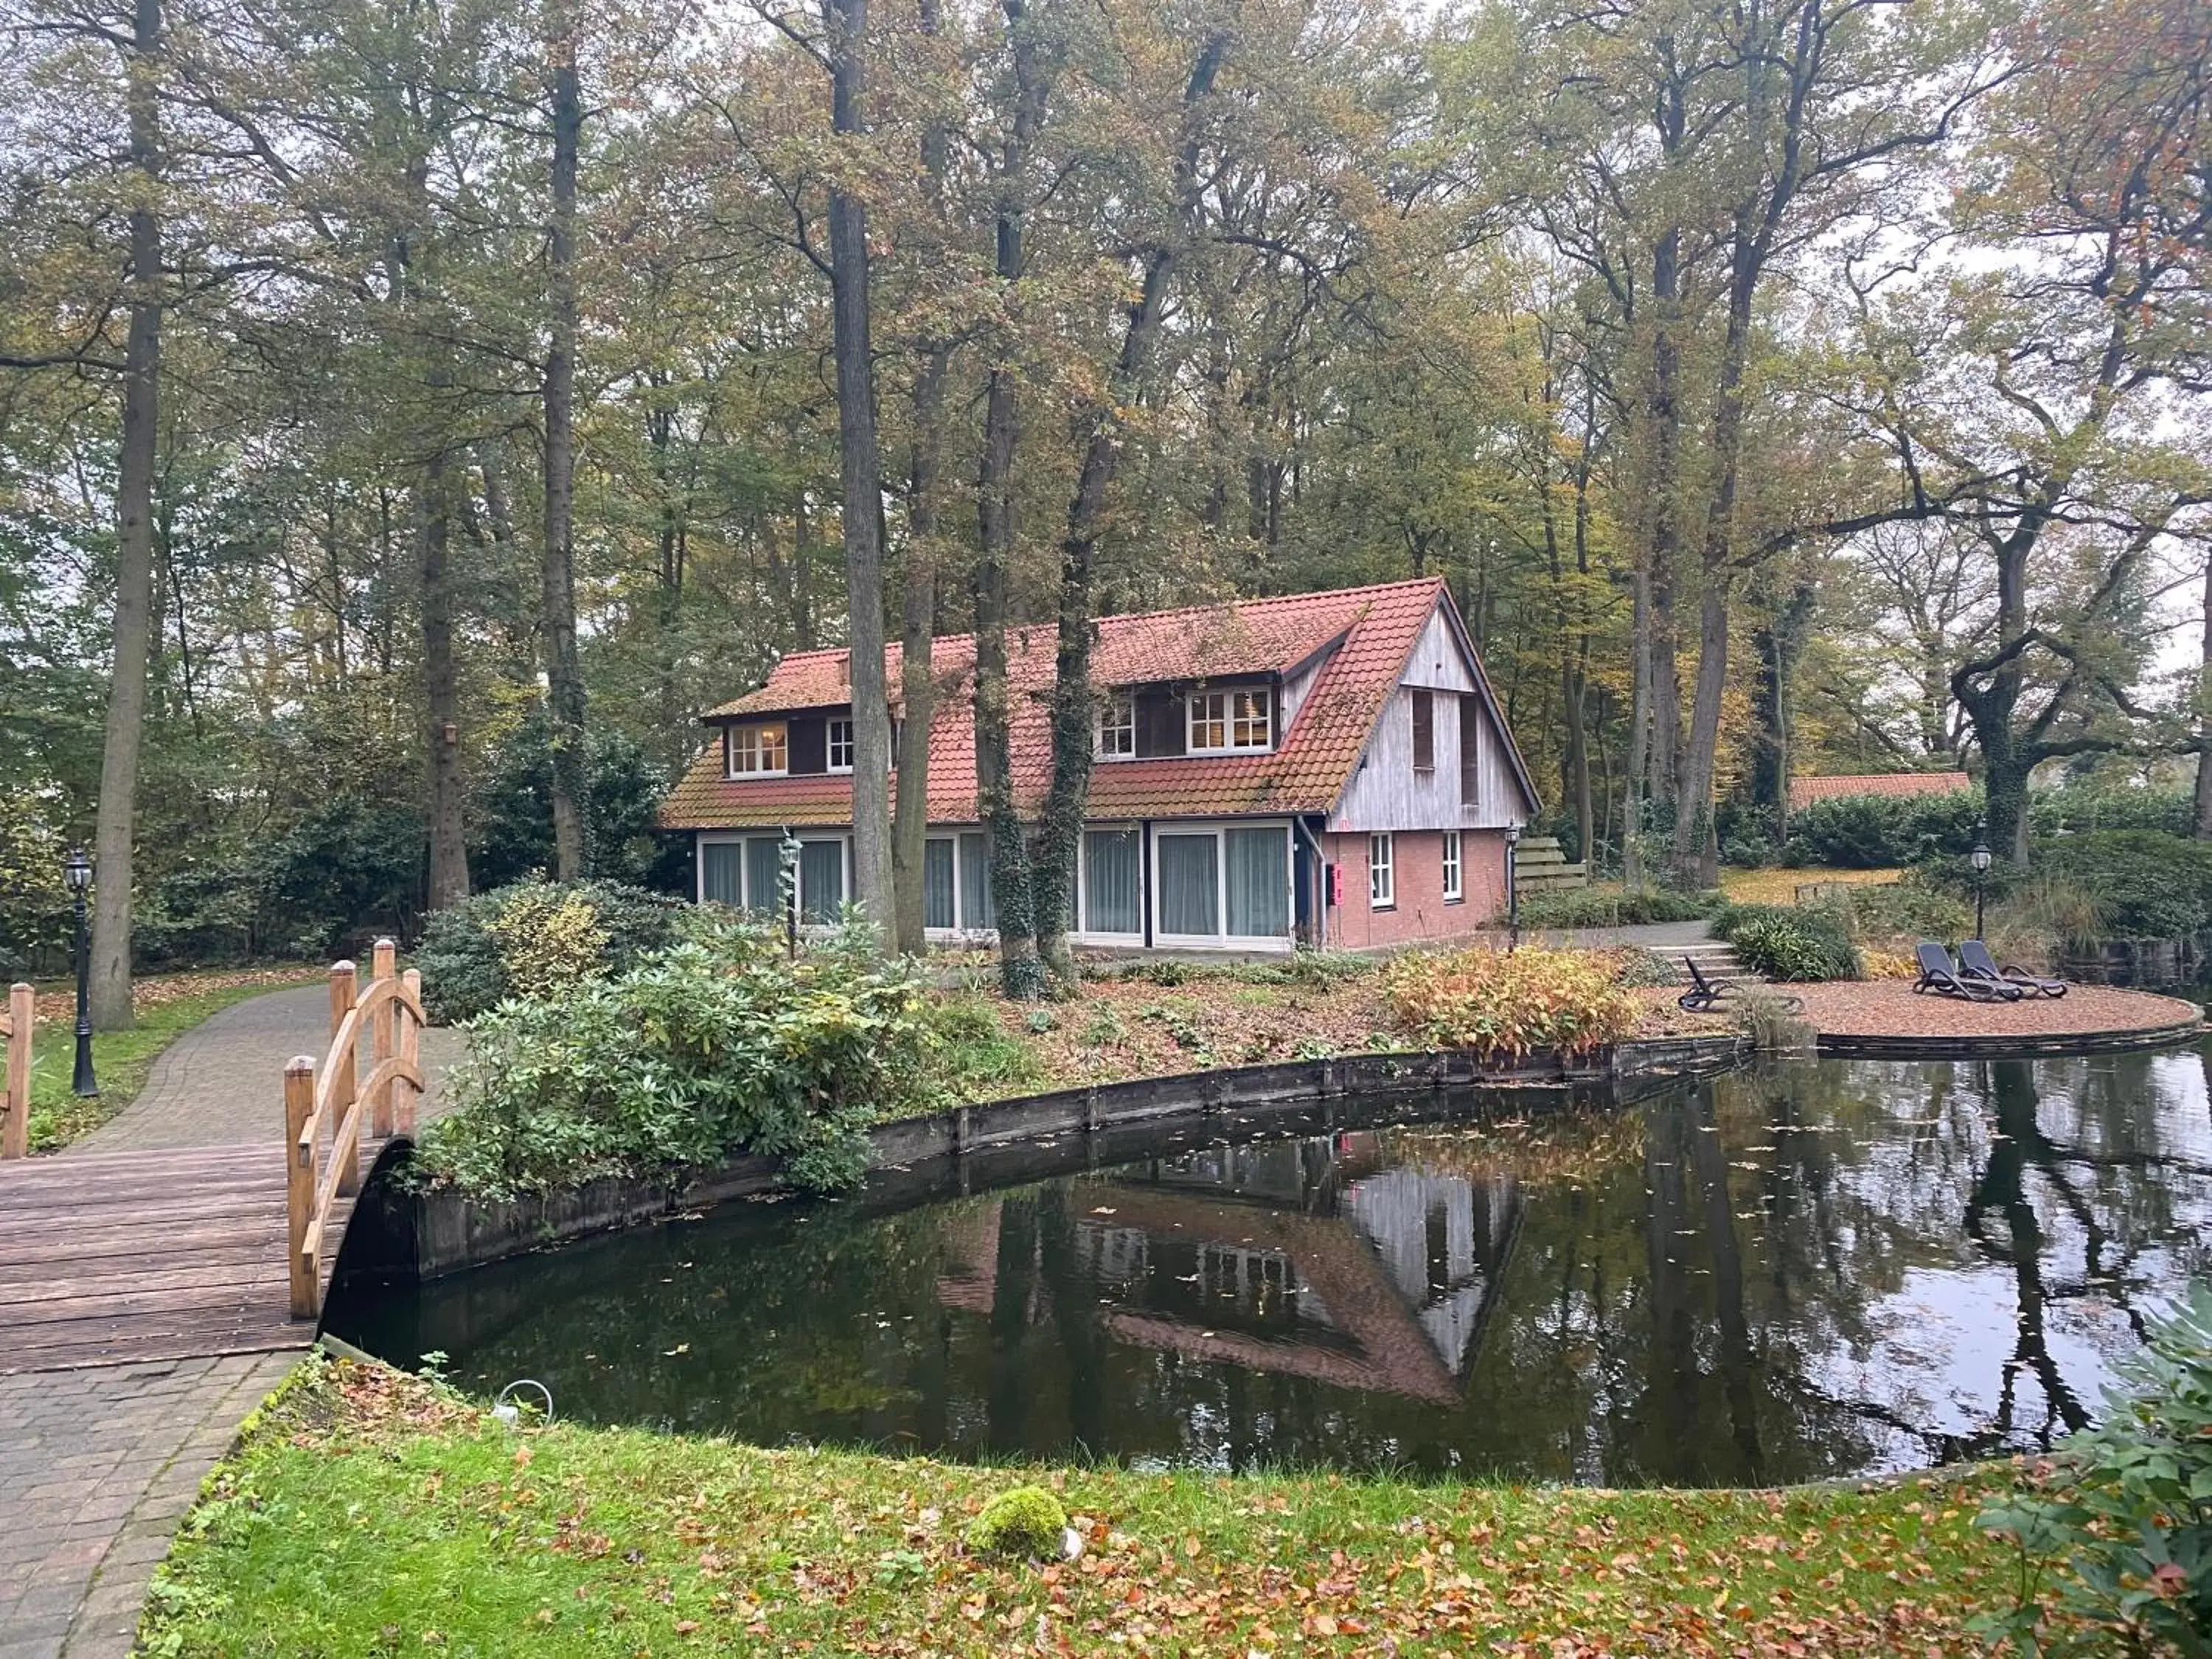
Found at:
(441, 694)
(132, 635)
(563, 675)
(1020, 973)
(1060, 836)
(861, 478)
(917, 690)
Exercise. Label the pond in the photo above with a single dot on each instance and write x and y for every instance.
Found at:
(1783, 1274)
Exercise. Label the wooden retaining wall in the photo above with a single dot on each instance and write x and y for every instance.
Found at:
(398, 1235)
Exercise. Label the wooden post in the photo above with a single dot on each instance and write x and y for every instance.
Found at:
(300, 1188)
(384, 1025)
(344, 991)
(16, 1097)
(410, 1050)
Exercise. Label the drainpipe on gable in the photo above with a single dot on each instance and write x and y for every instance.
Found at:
(1145, 878)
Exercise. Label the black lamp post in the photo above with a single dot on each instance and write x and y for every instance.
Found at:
(1979, 858)
(1512, 886)
(77, 869)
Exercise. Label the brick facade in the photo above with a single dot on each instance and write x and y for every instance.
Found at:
(1419, 911)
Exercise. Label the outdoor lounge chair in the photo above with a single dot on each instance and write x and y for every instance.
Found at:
(1704, 996)
(1975, 962)
(1939, 973)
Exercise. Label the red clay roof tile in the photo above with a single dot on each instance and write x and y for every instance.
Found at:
(1378, 626)
(1803, 790)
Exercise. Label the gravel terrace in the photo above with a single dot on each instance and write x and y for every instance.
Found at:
(1891, 1008)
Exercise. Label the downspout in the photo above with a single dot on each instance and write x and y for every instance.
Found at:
(1145, 878)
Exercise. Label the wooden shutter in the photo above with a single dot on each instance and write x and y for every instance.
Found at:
(1424, 731)
(1159, 722)
(1470, 726)
(809, 745)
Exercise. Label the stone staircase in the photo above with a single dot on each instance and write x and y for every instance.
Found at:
(1716, 959)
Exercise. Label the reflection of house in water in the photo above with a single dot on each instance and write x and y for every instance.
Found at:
(1301, 1258)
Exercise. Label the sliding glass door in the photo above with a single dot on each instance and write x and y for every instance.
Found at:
(1113, 900)
(1224, 885)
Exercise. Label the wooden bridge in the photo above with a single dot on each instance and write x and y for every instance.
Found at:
(112, 1257)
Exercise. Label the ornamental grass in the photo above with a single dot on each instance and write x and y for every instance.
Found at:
(1510, 1003)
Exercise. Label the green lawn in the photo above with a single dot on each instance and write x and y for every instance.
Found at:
(167, 1008)
(367, 1512)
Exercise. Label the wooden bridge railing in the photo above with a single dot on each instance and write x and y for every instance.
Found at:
(16, 1093)
(322, 1121)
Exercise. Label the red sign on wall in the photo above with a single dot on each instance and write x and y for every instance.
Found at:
(1335, 884)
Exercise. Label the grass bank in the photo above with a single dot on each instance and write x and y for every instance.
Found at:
(167, 1007)
(368, 1512)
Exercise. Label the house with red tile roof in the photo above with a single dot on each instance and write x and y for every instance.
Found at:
(1805, 791)
(1329, 768)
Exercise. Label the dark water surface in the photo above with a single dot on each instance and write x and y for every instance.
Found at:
(1806, 1271)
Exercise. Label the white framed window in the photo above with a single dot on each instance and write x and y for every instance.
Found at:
(1230, 722)
(1382, 873)
(841, 745)
(756, 752)
(1115, 731)
(1455, 876)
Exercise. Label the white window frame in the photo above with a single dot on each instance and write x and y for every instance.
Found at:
(1454, 867)
(830, 744)
(1222, 941)
(1382, 871)
(1113, 727)
(739, 837)
(1247, 707)
(956, 934)
(1083, 932)
(757, 730)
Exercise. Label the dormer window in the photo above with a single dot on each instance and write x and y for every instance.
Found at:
(758, 751)
(1115, 731)
(1230, 722)
(841, 745)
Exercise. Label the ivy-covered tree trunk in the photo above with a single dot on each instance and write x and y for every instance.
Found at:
(1021, 973)
(1059, 835)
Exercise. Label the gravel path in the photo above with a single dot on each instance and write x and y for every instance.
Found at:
(221, 1083)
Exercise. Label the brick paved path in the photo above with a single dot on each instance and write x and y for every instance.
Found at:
(99, 1464)
(221, 1084)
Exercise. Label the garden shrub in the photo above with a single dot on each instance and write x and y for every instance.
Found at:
(1028, 1523)
(1878, 832)
(1804, 942)
(2125, 1512)
(1637, 969)
(1612, 907)
(473, 956)
(1896, 915)
(2089, 805)
(717, 1046)
(2147, 884)
(1512, 1003)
